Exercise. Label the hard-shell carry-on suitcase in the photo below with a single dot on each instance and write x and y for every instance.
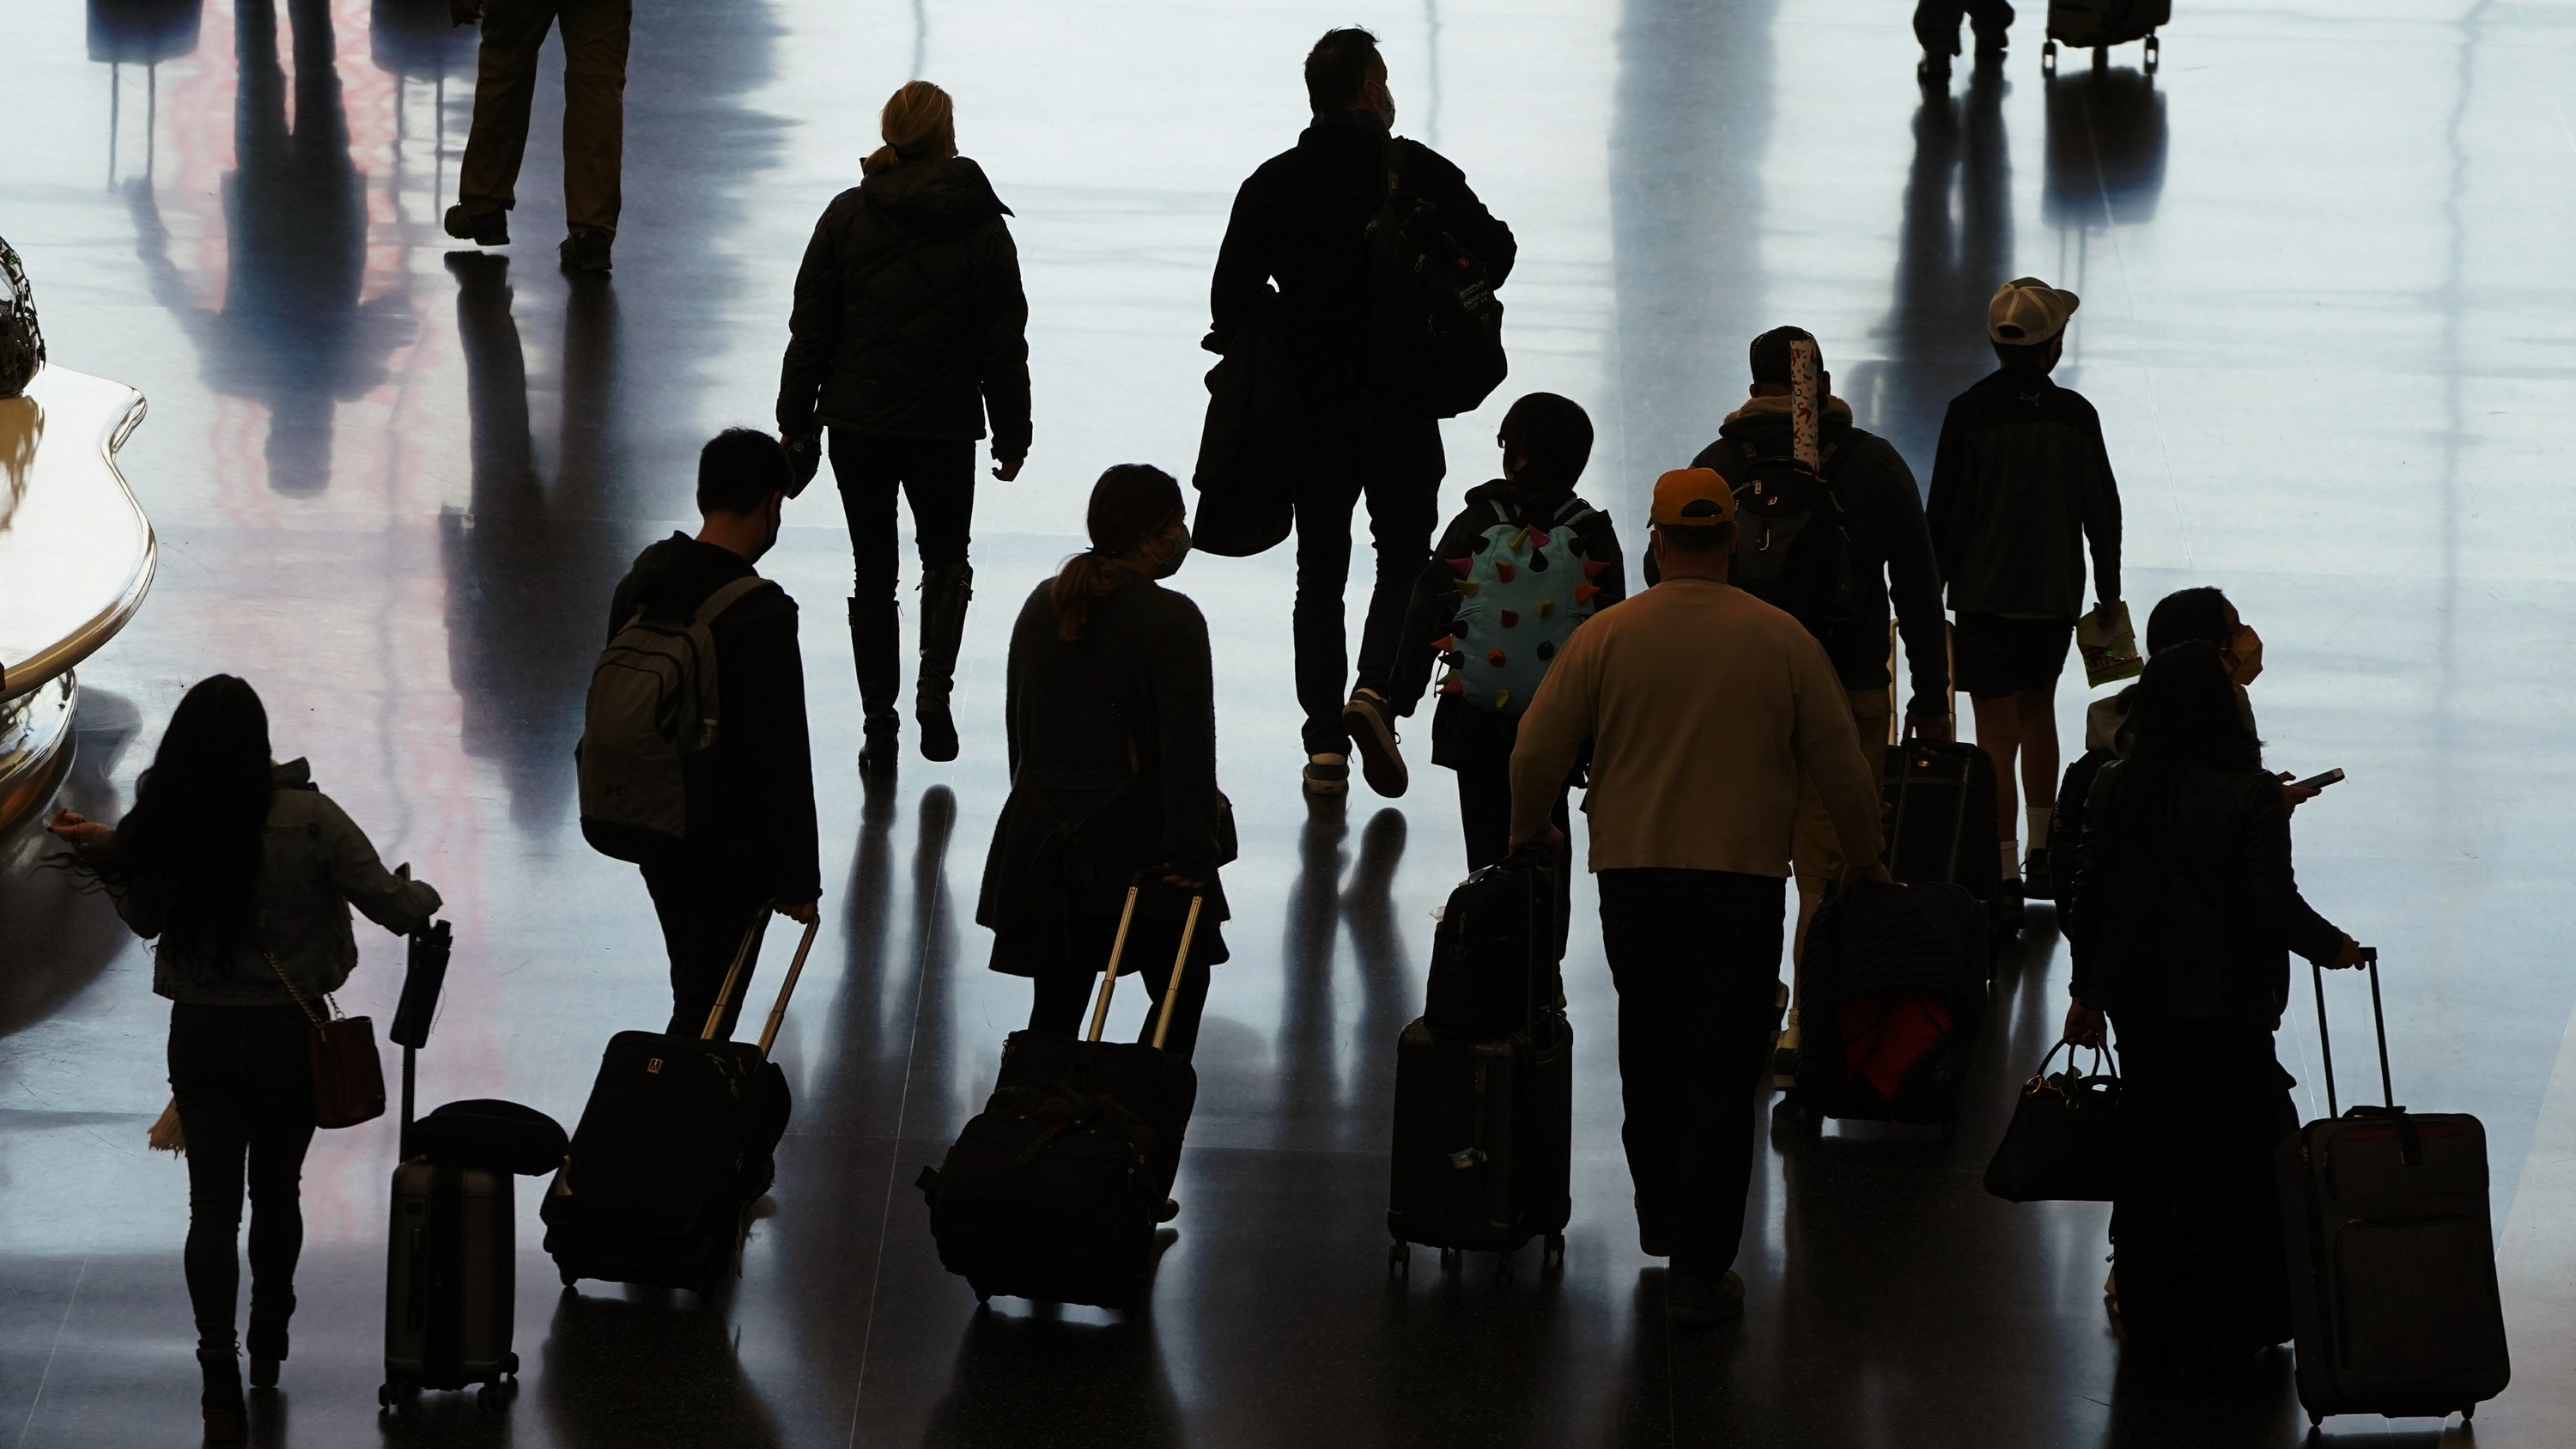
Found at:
(675, 1145)
(2097, 25)
(1483, 1152)
(451, 1256)
(2391, 1249)
(1496, 953)
(1053, 1191)
(1940, 800)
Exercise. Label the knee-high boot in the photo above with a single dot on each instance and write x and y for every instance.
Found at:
(944, 596)
(876, 639)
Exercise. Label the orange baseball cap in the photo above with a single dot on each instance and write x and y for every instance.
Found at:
(1692, 498)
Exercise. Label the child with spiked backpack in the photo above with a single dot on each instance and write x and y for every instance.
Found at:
(1523, 563)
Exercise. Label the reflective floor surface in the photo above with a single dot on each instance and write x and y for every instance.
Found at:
(2326, 259)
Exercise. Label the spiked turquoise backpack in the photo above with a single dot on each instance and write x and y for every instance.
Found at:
(1519, 595)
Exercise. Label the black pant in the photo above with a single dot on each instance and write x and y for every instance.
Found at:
(2196, 1228)
(1065, 982)
(1936, 23)
(706, 905)
(1695, 955)
(1395, 464)
(1479, 750)
(936, 475)
(243, 1079)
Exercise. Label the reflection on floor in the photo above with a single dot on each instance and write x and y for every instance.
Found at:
(2324, 256)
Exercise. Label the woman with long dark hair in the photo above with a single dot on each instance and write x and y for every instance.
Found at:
(243, 873)
(910, 328)
(2192, 911)
(1112, 730)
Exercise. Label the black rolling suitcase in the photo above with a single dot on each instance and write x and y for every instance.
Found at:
(451, 1257)
(1894, 978)
(2391, 1247)
(2097, 25)
(676, 1143)
(1053, 1191)
(1940, 800)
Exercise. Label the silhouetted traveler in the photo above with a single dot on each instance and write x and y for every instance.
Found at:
(1936, 26)
(1705, 708)
(1112, 728)
(2186, 879)
(751, 843)
(1302, 220)
(2020, 484)
(909, 328)
(594, 132)
(1481, 596)
(244, 874)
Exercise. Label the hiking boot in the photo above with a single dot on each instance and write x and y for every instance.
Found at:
(1373, 733)
(1327, 775)
(490, 228)
(1693, 1299)
(586, 250)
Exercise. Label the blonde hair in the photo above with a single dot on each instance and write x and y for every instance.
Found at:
(913, 120)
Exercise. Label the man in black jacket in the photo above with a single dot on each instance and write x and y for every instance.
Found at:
(1302, 220)
(755, 847)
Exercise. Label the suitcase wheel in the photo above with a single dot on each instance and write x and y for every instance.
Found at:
(2468, 1413)
(569, 1276)
(1399, 1260)
(2153, 47)
(1555, 1249)
(2048, 58)
(510, 1365)
(1450, 1258)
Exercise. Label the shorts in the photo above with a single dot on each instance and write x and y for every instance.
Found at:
(1992, 655)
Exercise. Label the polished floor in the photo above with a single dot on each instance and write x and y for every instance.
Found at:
(2326, 255)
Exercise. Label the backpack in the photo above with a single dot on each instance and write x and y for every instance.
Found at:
(651, 710)
(1520, 594)
(1792, 550)
(22, 342)
(1497, 952)
(1439, 326)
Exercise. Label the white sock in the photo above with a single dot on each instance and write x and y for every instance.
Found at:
(2011, 851)
(2038, 817)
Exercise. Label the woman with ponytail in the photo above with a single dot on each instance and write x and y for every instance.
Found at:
(244, 874)
(1112, 730)
(910, 331)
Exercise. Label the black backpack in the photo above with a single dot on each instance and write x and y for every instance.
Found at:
(1792, 548)
(1438, 325)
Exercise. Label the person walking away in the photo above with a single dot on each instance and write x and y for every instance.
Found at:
(243, 872)
(910, 329)
(2021, 483)
(2185, 874)
(751, 845)
(1891, 561)
(1705, 708)
(1523, 562)
(1936, 27)
(1303, 219)
(595, 34)
(1112, 729)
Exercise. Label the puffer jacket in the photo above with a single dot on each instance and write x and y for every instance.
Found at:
(315, 864)
(909, 318)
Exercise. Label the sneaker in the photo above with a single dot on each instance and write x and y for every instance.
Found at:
(483, 228)
(2036, 883)
(586, 250)
(1381, 763)
(1697, 1300)
(1328, 775)
(1784, 1055)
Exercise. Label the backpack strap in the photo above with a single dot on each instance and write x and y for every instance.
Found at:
(725, 598)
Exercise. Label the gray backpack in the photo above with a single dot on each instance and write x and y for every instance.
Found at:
(652, 707)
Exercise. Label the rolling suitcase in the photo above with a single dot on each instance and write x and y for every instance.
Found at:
(1053, 1191)
(674, 1146)
(1940, 799)
(451, 1258)
(1894, 977)
(1484, 1130)
(2097, 25)
(2391, 1248)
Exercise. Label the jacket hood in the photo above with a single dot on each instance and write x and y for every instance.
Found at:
(1758, 411)
(679, 572)
(949, 189)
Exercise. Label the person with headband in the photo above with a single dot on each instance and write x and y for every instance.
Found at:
(910, 332)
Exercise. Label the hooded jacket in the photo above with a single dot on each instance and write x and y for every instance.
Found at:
(315, 863)
(1891, 547)
(758, 798)
(1303, 219)
(909, 318)
(2020, 483)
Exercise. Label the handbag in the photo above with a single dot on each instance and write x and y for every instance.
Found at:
(348, 1075)
(2063, 1144)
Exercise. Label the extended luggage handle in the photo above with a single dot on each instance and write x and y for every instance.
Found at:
(1118, 952)
(742, 957)
(2378, 1019)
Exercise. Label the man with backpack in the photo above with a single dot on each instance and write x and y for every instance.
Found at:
(716, 804)
(1705, 709)
(1881, 552)
(1523, 563)
(1332, 221)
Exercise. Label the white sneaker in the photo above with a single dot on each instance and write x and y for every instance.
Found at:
(1327, 775)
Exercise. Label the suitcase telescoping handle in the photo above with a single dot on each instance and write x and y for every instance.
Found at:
(2378, 1019)
(742, 958)
(1118, 951)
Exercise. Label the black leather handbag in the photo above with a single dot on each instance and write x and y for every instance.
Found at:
(2064, 1141)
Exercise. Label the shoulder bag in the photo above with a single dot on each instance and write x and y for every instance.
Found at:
(348, 1075)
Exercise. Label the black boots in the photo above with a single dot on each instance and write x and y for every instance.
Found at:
(226, 1423)
(267, 1342)
(876, 639)
(944, 596)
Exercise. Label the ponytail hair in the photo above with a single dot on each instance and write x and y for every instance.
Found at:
(1131, 503)
(913, 121)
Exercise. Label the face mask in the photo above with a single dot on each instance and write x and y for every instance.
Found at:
(1171, 563)
(2249, 655)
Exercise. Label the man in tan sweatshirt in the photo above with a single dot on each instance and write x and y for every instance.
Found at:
(1704, 705)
